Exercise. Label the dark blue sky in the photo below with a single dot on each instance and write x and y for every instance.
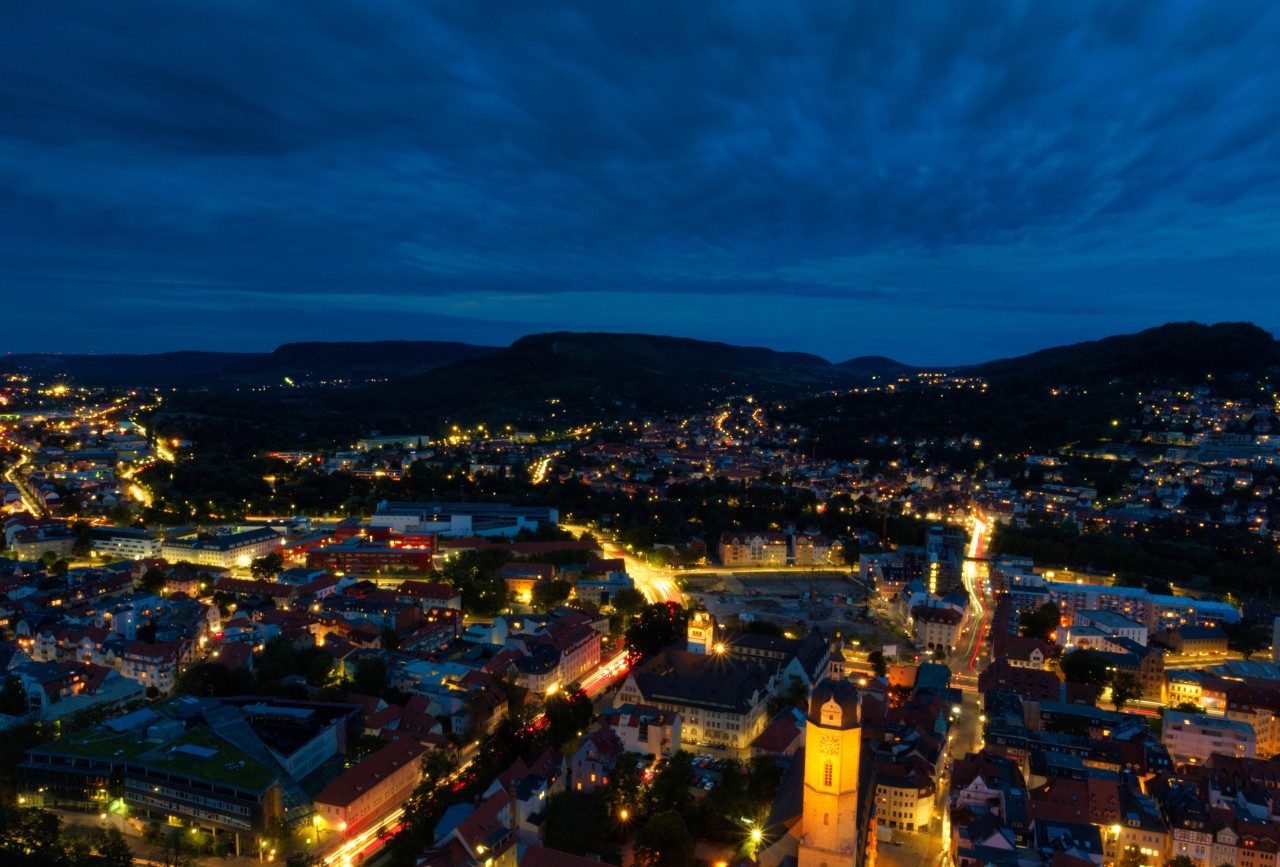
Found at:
(938, 182)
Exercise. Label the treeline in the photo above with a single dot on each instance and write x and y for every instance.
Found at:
(31, 837)
(1169, 550)
(282, 669)
(1011, 416)
(203, 486)
(708, 507)
(663, 820)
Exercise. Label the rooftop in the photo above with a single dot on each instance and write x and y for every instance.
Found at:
(197, 752)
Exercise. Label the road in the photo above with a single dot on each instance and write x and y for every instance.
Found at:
(609, 671)
(19, 481)
(656, 585)
(978, 617)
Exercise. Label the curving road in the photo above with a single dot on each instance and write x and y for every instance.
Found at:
(978, 617)
(656, 585)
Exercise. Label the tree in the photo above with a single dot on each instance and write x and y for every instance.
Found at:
(475, 575)
(879, 665)
(665, 841)
(796, 695)
(625, 785)
(1087, 667)
(153, 581)
(437, 765)
(84, 539)
(101, 847)
(176, 850)
(1125, 687)
(277, 833)
(390, 639)
(29, 836)
(1180, 861)
(549, 594)
(212, 679)
(267, 568)
(579, 823)
(656, 627)
(568, 712)
(370, 676)
(13, 698)
(670, 788)
(1246, 639)
(764, 775)
(628, 601)
(1040, 623)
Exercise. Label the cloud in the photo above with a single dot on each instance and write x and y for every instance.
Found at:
(999, 161)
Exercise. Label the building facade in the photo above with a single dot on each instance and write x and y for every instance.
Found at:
(832, 763)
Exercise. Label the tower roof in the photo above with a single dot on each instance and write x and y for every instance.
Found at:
(844, 694)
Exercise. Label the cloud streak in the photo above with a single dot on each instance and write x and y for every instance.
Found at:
(999, 161)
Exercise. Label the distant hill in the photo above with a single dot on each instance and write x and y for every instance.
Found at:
(390, 358)
(164, 368)
(876, 365)
(592, 376)
(385, 359)
(1172, 351)
(1021, 409)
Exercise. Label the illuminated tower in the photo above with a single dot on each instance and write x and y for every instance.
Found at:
(832, 757)
(701, 635)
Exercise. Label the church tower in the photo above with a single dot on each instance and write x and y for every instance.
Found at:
(832, 758)
(701, 632)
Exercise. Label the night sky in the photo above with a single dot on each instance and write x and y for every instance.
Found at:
(940, 182)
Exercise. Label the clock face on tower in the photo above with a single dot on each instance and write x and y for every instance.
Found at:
(829, 745)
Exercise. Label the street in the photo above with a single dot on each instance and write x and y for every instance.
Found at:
(656, 585)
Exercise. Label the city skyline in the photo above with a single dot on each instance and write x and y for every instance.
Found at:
(937, 185)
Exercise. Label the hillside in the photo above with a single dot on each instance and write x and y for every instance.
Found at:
(1178, 350)
(317, 361)
(875, 365)
(588, 376)
(354, 360)
(1022, 409)
(159, 369)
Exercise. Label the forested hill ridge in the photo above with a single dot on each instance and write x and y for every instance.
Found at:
(1049, 399)
(148, 370)
(560, 380)
(1177, 350)
(575, 376)
(352, 360)
(876, 365)
(304, 362)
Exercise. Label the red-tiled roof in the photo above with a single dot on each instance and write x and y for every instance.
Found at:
(369, 773)
(540, 856)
